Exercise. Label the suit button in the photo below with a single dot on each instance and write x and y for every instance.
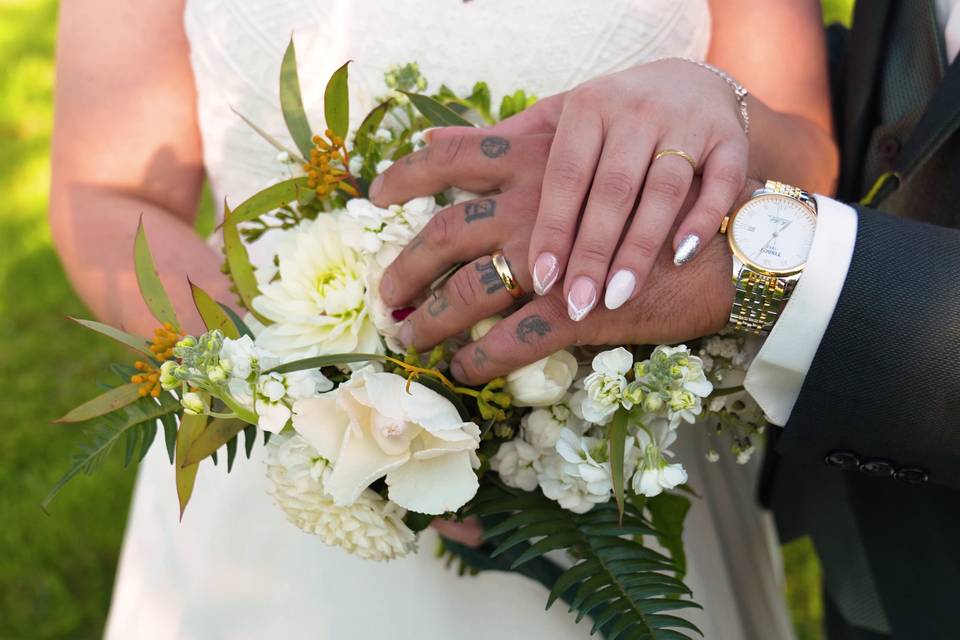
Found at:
(888, 147)
(876, 468)
(842, 459)
(912, 475)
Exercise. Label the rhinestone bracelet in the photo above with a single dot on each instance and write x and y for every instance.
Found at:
(739, 91)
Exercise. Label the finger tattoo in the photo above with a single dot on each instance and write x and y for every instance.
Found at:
(494, 146)
(479, 209)
(489, 277)
(438, 304)
(480, 357)
(527, 327)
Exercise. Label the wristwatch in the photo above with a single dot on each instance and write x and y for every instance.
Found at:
(770, 236)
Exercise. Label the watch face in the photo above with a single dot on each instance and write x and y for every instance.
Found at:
(773, 233)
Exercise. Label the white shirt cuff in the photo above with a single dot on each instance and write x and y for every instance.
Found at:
(776, 375)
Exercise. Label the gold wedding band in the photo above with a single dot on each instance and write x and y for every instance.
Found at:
(680, 154)
(502, 267)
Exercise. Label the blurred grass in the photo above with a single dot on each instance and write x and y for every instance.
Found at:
(56, 571)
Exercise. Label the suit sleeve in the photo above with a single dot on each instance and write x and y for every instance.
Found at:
(883, 389)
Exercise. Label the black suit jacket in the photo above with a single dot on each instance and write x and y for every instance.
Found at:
(869, 462)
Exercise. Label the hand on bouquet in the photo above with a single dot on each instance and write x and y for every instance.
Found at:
(608, 132)
(677, 304)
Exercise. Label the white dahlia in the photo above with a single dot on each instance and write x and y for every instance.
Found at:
(371, 527)
(318, 300)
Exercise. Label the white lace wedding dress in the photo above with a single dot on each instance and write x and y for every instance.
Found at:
(235, 568)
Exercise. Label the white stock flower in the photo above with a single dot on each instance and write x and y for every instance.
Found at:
(605, 386)
(544, 382)
(274, 394)
(654, 473)
(318, 302)
(514, 461)
(570, 491)
(238, 357)
(382, 233)
(373, 426)
(370, 527)
(541, 427)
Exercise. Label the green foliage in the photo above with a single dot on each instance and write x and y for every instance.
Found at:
(186, 474)
(219, 432)
(213, 314)
(238, 264)
(106, 402)
(513, 104)
(438, 114)
(291, 103)
(623, 586)
(150, 286)
(618, 440)
(134, 342)
(369, 126)
(106, 431)
(667, 512)
(336, 103)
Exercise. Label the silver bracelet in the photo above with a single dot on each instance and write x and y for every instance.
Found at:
(739, 91)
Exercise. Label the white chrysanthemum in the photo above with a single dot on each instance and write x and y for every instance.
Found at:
(370, 527)
(318, 301)
(514, 461)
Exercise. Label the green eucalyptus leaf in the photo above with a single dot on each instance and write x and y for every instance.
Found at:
(369, 126)
(291, 102)
(241, 271)
(149, 433)
(438, 114)
(618, 439)
(237, 321)
(336, 102)
(104, 403)
(318, 362)
(132, 341)
(191, 426)
(216, 434)
(212, 313)
(169, 423)
(151, 288)
(267, 200)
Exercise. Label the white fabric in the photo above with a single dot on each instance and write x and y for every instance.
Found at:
(948, 16)
(234, 568)
(777, 372)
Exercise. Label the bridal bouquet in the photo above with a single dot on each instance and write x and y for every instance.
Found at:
(366, 443)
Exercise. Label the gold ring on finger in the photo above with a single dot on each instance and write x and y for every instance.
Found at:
(680, 154)
(502, 266)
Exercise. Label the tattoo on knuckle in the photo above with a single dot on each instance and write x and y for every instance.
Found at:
(494, 146)
(438, 303)
(532, 326)
(489, 278)
(479, 209)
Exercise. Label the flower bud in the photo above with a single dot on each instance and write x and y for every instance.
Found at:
(216, 375)
(186, 342)
(632, 395)
(193, 404)
(168, 378)
(653, 403)
(483, 327)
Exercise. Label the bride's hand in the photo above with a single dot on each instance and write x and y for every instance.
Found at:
(607, 134)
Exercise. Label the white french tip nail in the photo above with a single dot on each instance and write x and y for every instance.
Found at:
(545, 272)
(687, 248)
(619, 289)
(581, 299)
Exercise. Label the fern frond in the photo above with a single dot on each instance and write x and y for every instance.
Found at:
(133, 421)
(623, 586)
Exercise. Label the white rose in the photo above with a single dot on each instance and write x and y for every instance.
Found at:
(483, 327)
(543, 382)
(374, 426)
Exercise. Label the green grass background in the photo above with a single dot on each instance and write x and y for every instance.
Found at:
(56, 571)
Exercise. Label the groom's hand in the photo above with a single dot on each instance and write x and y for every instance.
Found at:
(680, 302)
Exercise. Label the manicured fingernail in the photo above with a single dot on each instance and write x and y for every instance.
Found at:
(405, 334)
(687, 248)
(545, 272)
(619, 289)
(581, 299)
(376, 186)
(428, 134)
